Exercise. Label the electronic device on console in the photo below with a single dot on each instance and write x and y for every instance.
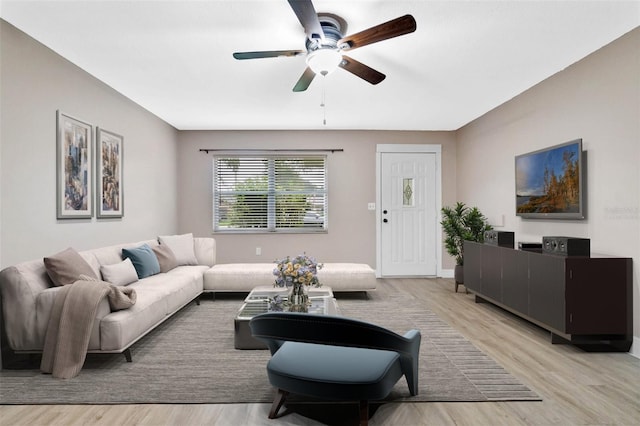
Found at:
(530, 246)
(566, 246)
(499, 238)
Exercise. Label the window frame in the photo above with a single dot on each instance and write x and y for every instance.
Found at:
(271, 193)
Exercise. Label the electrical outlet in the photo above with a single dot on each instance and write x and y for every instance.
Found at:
(258, 251)
(371, 206)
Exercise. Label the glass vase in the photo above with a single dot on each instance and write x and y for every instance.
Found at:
(298, 298)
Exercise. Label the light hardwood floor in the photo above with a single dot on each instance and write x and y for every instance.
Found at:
(577, 388)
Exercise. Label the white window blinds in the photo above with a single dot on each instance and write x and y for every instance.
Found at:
(269, 193)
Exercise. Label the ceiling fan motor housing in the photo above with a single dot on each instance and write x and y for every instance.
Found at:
(332, 26)
(323, 55)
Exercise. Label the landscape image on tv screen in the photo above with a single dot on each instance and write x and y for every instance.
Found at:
(548, 181)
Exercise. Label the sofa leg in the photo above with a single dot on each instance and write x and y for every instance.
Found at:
(127, 354)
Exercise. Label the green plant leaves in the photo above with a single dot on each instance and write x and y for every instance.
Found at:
(462, 223)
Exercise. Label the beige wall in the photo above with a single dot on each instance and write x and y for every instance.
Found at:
(351, 182)
(596, 99)
(35, 83)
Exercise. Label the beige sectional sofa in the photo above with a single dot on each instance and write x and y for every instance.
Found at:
(28, 293)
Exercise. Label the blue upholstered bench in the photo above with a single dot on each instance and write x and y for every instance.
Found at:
(335, 358)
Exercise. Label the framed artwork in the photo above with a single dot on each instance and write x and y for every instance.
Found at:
(109, 178)
(74, 168)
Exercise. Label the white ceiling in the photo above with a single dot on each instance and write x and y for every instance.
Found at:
(174, 58)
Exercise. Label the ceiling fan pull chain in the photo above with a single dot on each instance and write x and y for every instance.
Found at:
(323, 103)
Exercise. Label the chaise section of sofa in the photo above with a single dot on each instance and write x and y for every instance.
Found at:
(243, 277)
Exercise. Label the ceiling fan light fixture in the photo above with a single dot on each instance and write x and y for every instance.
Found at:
(324, 61)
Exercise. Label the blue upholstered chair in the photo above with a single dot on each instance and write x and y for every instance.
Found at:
(335, 358)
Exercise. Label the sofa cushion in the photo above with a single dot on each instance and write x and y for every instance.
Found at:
(182, 248)
(144, 260)
(120, 328)
(157, 297)
(66, 267)
(238, 276)
(348, 276)
(122, 273)
(166, 258)
(179, 286)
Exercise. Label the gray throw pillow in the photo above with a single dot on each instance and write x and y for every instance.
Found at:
(166, 258)
(66, 267)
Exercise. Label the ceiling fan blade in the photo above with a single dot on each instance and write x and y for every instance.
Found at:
(308, 17)
(396, 27)
(304, 81)
(267, 54)
(361, 70)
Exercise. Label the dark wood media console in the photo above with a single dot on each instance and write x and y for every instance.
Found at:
(586, 301)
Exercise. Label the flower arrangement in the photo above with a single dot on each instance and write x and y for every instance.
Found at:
(300, 270)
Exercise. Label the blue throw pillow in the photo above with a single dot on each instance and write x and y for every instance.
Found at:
(143, 259)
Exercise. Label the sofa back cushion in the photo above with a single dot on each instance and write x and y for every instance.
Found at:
(181, 246)
(205, 249)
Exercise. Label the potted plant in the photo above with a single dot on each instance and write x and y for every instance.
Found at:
(462, 223)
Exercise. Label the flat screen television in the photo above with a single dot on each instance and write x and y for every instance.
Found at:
(550, 182)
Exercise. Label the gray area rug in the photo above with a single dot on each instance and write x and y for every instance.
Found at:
(191, 359)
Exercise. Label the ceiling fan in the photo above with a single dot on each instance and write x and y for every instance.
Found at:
(325, 44)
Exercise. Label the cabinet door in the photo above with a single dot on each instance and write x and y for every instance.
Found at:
(547, 290)
(492, 272)
(515, 280)
(472, 266)
(597, 296)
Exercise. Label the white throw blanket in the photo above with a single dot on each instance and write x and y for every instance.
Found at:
(71, 322)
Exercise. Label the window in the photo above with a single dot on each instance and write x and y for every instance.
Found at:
(269, 193)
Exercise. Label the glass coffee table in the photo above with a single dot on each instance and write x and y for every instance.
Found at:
(259, 301)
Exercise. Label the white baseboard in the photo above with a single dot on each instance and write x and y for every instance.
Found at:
(635, 347)
(446, 273)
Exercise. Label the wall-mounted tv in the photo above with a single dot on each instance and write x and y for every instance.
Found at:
(550, 184)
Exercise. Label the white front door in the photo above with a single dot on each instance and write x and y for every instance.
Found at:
(408, 214)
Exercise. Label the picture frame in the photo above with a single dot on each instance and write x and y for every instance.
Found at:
(109, 167)
(74, 167)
